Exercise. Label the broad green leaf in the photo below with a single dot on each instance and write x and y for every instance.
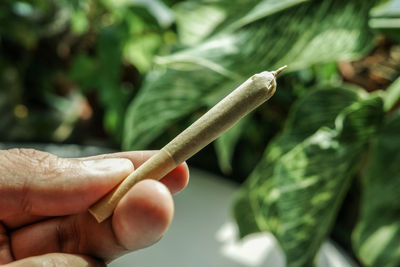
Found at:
(295, 190)
(192, 27)
(289, 35)
(140, 50)
(165, 97)
(392, 95)
(311, 181)
(313, 178)
(376, 238)
(264, 9)
(320, 108)
(79, 22)
(160, 12)
(317, 109)
(359, 122)
(341, 34)
(386, 19)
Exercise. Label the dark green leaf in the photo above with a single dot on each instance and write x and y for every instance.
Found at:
(297, 187)
(392, 95)
(140, 50)
(311, 181)
(165, 97)
(376, 238)
(313, 178)
(192, 27)
(289, 35)
(386, 19)
(317, 109)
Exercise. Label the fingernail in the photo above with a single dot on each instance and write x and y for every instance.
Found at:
(108, 165)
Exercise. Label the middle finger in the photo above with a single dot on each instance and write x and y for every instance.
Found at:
(140, 219)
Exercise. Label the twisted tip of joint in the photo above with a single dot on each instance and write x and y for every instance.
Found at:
(276, 72)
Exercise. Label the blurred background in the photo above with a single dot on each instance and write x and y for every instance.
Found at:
(318, 160)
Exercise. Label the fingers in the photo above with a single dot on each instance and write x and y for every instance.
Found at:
(176, 180)
(39, 183)
(58, 260)
(137, 157)
(5, 250)
(150, 201)
(14, 222)
(141, 218)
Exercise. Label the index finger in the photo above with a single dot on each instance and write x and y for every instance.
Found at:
(175, 181)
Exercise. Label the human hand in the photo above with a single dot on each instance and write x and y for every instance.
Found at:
(44, 201)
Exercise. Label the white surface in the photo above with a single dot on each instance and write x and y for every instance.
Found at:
(202, 234)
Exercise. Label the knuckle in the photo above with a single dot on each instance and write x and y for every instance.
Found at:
(31, 154)
(69, 235)
(25, 170)
(25, 200)
(30, 161)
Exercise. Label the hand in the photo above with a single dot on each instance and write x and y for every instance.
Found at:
(44, 201)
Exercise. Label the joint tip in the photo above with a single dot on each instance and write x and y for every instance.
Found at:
(276, 72)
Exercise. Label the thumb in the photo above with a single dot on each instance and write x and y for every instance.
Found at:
(39, 183)
(57, 260)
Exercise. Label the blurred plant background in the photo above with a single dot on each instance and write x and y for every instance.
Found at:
(320, 159)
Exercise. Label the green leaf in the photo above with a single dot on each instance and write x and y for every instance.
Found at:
(392, 95)
(302, 179)
(313, 178)
(386, 19)
(79, 22)
(83, 71)
(316, 109)
(264, 9)
(162, 13)
(165, 97)
(289, 35)
(156, 8)
(139, 51)
(341, 34)
(320, 108)
(377, 234)
(192, 27)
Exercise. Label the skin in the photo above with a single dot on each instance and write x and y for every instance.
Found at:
(44, 201)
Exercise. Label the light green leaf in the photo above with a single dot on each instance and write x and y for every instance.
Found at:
(313, 178)
(295, 190)
(377, 234)
(392, 95)
(386, 19)
(316, 109)
(287, 36)
(264, 9)
(139, 50)
(161, 12)
(79, 22)
(192, 27)
(311, 181)
(165, 97)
